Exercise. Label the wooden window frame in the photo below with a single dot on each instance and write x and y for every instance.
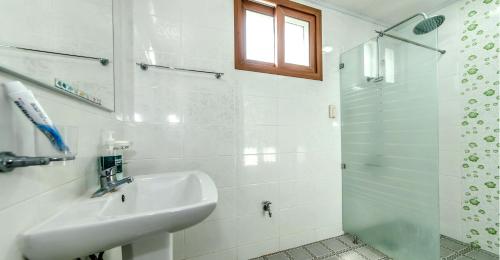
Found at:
(280, 9)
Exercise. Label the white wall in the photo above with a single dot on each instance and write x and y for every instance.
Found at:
(30, 195)
(261, 137)
(450, 114)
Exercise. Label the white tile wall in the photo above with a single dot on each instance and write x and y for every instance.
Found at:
(261, 137)
(450, 110)
(68, 26)
(29, 195)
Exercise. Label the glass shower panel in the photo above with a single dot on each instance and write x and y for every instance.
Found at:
(390, 149)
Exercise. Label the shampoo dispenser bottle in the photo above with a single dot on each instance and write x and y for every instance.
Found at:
(111, 157)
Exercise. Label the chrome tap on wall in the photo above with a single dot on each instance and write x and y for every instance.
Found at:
(266, 207)
(9, 161)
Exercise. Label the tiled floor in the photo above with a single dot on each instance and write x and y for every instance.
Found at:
(337, 248)
(342, 248)
(452, 249)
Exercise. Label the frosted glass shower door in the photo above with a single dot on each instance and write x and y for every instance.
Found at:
(390, 148)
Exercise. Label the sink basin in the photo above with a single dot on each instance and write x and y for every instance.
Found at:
(151, 204)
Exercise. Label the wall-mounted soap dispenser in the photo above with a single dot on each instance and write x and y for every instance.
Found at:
(112, 154)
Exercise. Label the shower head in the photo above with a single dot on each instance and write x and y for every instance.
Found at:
(428, 24)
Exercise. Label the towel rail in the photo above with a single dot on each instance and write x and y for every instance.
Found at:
(145, 66)
(103, 61)
(47, 86)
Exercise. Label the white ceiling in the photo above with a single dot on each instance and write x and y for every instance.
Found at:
(386, 12)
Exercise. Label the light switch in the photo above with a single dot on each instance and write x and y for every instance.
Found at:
(332, 111)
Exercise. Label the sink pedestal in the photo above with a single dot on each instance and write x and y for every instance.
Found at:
(153, 247)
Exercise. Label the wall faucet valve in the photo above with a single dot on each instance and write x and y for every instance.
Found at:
(266, 207)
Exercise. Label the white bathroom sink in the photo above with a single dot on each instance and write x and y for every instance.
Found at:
(151, 204)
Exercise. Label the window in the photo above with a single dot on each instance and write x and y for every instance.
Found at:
(278, 37)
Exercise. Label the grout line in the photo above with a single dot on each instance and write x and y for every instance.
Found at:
(309, 252)
(45, 192)
(461, 252)
(288, 255)
(353, 249)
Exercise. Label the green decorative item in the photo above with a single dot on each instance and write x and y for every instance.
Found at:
(472, 71)
(473, 114)
(472, 27)
(490, 139)
(489, 46)
(474, 202)
(473, 158)
(491, 231)
(490, 92)
(480, 122)
(490, 185)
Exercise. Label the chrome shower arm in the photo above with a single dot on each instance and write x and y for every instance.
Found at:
(406, 20)
(381, 34)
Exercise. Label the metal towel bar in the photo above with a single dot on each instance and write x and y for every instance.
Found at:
(145, 66)
(47, 86)
(103, 61)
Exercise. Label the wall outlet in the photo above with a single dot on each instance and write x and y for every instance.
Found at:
(332, 111)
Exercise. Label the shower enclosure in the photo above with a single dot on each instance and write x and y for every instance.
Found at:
(389, 106)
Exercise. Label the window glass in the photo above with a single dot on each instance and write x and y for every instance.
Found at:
(259, 37)
(296, 41)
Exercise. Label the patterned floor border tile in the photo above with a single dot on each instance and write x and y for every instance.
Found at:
(349, 248)
(462, 250)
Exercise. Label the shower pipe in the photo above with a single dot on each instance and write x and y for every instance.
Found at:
(384, 33)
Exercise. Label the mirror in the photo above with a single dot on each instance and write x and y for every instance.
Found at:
(64, 45)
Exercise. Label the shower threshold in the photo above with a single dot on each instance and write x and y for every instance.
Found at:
(343, 248)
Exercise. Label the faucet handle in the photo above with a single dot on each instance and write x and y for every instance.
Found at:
(266, 207)
(108, 172)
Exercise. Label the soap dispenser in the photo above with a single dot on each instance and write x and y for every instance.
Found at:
(110, 156)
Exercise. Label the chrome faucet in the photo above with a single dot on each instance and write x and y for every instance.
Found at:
(108, 181)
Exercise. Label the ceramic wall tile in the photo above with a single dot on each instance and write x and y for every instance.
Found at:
(260, 248)
(469, 123)
(200, 238)
(253, 229)
(259, 136)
